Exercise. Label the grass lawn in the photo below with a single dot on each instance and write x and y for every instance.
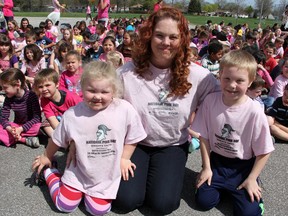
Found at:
(196, 20)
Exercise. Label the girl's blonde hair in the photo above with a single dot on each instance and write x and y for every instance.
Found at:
(97, 70)
(115, 58)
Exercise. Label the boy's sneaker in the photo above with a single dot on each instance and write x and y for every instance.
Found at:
(194, 144)
(33, 142)
(273, 140)
(261, 205)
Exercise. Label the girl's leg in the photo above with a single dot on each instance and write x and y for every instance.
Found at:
(6, 138)
(65, 198)
(131, 193)
(33, 131)
(96, 206)
(165, 178)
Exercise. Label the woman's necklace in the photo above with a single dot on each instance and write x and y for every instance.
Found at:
(162, 82)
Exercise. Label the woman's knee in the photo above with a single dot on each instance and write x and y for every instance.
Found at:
(164, 206)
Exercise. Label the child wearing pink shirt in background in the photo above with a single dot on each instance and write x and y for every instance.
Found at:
(70, 78)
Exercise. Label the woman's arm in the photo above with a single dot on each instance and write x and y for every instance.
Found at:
(102, 4)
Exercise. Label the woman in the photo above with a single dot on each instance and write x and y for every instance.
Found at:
(165, 88)
(7, 9)
(55, 15)
(103, 9)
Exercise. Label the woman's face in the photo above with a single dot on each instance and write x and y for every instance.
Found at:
(165, 42)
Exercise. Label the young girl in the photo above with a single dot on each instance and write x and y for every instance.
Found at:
(34, 62)
(108, 45)
(7, 58)
(25, 105)
(52, 29)
(103, 146)
(126, 47)
(77, 37)
(68, 37)
(61, 50)
(12, 28)
(115, 58)
(24, 25)
(101, 31)
(70, 79)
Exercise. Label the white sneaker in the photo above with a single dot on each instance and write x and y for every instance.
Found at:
(33, 142)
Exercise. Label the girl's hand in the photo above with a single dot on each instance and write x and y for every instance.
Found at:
(252, 188)
(71, 157)
(204, 175)
(127, 167)
(39, 162)
(17, 132)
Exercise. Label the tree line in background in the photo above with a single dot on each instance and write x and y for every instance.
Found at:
(264, 7)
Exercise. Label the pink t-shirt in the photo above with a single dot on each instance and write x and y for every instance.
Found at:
(56, 7)
(234, 132)
(52, 109)
(31, 70)
(165, 119)
(99, 138)
(103, 13)
(71, 82)
(277, 89)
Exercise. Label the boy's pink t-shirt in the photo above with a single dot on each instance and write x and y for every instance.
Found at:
(270, 64)
(99, 138)
(165, 119)
(51, 109)
(71, 82)
(234, 132)
(277, 89)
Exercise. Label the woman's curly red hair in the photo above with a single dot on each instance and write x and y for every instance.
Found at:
(142, 51)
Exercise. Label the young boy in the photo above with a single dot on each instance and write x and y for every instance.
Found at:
(93, 53)
(235, 140)
(211, 60)
(44, 42)
(269, 53)
(54, 102)
(278, 117)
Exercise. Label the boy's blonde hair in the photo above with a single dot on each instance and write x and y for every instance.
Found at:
(240, 59)
(45, 75)
(98, 70)
(115, 58)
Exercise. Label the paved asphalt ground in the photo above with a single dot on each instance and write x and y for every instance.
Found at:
(18, 198)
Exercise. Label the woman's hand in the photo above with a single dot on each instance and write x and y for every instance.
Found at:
(127, 167)
(71, 157)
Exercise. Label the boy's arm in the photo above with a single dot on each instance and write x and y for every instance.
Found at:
(53, 121)
(250, 183)
(206, 172)
(126, 165)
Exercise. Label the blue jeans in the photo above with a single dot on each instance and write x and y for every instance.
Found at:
(158, 179)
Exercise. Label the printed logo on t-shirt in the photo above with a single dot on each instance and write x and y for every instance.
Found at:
(102, 146)
(224, 140)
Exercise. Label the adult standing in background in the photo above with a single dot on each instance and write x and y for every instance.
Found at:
(103, 12)
(165, 88)
(7, 9)
(55, 15)
(158, 5)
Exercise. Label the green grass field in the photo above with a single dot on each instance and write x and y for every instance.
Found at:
(196, 20)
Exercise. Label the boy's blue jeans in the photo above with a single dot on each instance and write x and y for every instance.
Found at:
(228, 174)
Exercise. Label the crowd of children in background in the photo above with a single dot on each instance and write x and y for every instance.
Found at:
(34, 48)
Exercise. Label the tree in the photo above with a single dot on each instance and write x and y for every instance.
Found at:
(194, 6)
(221, 3)
(264, 6)
(249, 10)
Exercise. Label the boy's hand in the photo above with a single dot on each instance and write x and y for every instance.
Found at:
(127, 166)
(204, 175)
(252, 188)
